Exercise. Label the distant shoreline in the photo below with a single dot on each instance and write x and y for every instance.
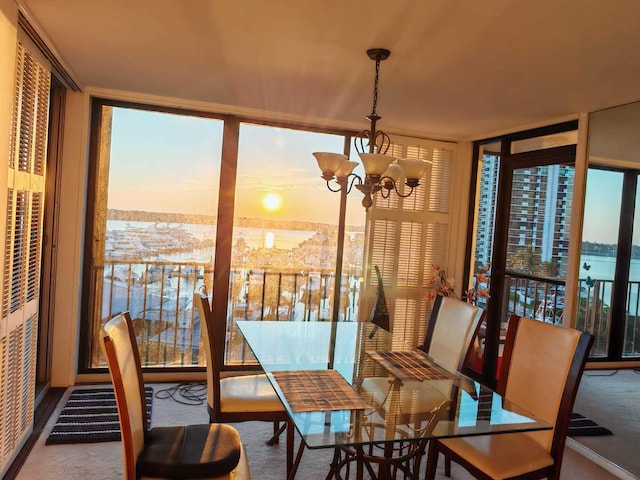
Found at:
(195, 219)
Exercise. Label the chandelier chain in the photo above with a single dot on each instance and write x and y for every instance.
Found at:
(375, 88)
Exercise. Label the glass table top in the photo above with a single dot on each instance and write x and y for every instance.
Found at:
(349, 383)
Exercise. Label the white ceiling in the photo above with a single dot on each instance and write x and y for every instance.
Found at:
(459, 69)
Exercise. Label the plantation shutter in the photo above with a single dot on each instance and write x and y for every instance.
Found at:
(22, 251)
(409, 235)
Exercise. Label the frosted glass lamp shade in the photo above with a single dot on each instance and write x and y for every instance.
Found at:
(345, 169)
(329, 163)
(394, 171)
(413, 168)
(375, 163)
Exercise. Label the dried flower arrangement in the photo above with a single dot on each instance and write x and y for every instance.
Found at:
(440, 285)
(480, 284)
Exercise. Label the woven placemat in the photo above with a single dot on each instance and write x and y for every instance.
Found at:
(410, 365)
(317, 391)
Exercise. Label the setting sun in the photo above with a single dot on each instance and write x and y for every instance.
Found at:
(272, 201)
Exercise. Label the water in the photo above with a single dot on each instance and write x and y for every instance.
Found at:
(603, 268)
(253, 236)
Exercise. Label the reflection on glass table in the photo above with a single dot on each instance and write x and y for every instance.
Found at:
(320, 370)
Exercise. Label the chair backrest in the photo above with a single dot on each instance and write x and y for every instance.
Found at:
(452, 327)
(380, 311)
(123, 358)
(203, 307)
(541, 369)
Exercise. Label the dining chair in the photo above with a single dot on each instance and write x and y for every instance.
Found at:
(541, 370)
(239, 398)
(453, 325)
(207, 451)
(452, 328)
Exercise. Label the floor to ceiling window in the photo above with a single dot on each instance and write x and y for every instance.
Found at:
(178, 200)
(285, 235)
(609, 284)
(154, 195)
(609, 277)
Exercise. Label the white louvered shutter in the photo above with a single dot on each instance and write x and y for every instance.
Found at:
(408, 235)
(22, 252)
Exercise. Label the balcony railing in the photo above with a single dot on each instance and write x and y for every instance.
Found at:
(159, 297)
(534, 297)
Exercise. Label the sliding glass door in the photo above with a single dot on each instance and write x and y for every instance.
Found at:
(518, 260)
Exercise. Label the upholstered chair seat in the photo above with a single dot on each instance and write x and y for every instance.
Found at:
(501, 456)
(248, 393)
(178, 453)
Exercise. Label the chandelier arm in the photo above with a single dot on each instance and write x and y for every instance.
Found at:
(334, 189)
(355, 178)
(401, 195)
(359, 141)
(382, 142)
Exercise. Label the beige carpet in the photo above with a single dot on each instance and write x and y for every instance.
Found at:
(103, 461)
(610, 398)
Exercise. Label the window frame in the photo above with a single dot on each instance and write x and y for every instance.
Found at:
(222, 265)
(493, 320)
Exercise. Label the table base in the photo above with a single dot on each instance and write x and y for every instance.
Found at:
(380, 461)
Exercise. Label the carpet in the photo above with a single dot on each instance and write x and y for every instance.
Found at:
(89, 416)
(581, 426)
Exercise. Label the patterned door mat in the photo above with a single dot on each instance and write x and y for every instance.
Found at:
(581, 426)
(90, 416)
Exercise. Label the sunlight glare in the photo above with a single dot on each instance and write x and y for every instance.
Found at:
(272, 201)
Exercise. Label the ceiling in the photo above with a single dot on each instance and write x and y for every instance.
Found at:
(463, 69)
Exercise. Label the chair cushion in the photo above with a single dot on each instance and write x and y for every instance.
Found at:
(248, 393)
(189, 452)
(501, 456)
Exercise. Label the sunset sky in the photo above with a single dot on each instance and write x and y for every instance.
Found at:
(171, 163)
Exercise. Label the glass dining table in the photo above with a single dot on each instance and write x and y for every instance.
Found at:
(375, 400)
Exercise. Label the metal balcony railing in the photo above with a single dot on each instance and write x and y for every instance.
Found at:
(543, 299)
(159, 297)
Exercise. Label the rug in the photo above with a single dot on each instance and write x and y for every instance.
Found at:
(581, 426)
(91, 415)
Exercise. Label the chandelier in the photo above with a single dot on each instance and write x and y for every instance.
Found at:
(382, 172)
